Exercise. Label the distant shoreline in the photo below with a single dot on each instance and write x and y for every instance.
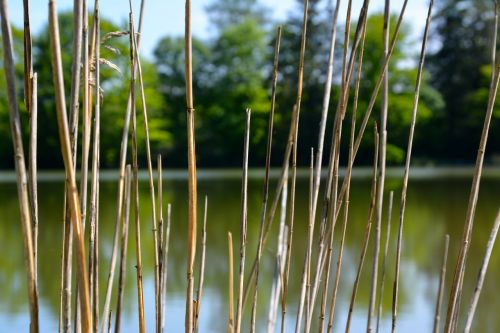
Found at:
(417, 172)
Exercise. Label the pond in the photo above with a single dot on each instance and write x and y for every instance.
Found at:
(437, 202)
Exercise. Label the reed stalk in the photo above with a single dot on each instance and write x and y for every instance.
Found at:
(244, 219)
(201, 274)
(230, 321)
(140, 291)
(439, 301)
(408, 160)
(121, 184)
(381, 182)
(294, 155)
(192, 183)
(28, 57)
(165, 266)
(70, 171)
(265, 195)
(123, 249)
(33, 186)
(371, 211)
(94, 191)
(278, 276)
(481, 275)
(384, 260)
(159, 234)
(20, 166)
(456, 287)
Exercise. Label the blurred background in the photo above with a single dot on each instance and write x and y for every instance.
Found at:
(233, 54)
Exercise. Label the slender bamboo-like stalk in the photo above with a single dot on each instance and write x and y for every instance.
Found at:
(94, 191)
(121, 184)
(28, 57)
(439, 301)
(265, 195)
(159, 234)
(384, 261)
(191, 169)
(408, 160)
(344, 224)
(456, 287)
(165, 266)
(33, 187)
(21, 177)
(123, 249)
(65, 318)
(278, 276)
(294, 155)
(201, 274)
(369, 223)
(151, 182)
(140, 291)
(230, 321)
(482, 274)
(381, 182)
(243, 221)
(70, 172)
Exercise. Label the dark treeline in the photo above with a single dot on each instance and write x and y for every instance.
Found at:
(232, 71)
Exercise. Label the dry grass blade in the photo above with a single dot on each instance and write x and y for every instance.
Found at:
(437, 315)
(21, 177)
(165, 266)
(482, 274)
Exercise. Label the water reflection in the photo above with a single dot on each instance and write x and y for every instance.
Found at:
(435, 207)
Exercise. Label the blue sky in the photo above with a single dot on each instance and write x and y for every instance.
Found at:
(166, 17)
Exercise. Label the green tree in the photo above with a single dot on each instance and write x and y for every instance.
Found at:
(463, 32)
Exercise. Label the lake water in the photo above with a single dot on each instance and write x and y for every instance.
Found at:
(437, 201)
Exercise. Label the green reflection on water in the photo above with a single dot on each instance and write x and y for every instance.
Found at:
(435, 207)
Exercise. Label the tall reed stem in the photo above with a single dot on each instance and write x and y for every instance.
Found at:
(439, 301)
(201, 274)
(230, 321)
(21, 176)
(482, 274)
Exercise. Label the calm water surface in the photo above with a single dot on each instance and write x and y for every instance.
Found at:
(436, 206)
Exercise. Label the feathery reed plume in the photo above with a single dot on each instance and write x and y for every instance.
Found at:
(201, 273)
(121, 184)
(407, 163)
(140, 291)
(21, 177)
(165, 267)
(439, 301)
(456, 287)
(123, 249)
(191, 169)
(230, 321)
(482, 274)
(70, 171)
(382, 160)
(243, 219)
(384, 260)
